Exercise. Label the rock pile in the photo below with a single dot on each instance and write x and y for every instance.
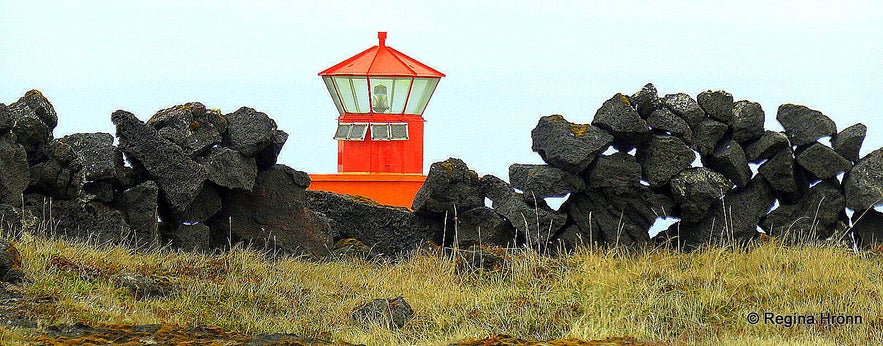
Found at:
(189, 176)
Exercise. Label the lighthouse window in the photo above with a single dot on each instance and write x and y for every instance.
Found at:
(351, 132)
(380, 132)
(353, 93)
(388, 95)
(398, 131)
(420, 94)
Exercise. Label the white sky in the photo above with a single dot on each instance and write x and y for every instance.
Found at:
(507, 63)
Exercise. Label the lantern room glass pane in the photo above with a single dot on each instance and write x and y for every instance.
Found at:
(353, 93)
(333, 91)
(388, 95)
(420, 94)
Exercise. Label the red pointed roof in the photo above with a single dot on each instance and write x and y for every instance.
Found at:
(381, 60)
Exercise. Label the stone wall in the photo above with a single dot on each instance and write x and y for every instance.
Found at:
(201, 180)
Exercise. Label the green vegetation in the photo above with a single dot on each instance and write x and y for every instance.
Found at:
(651, 295)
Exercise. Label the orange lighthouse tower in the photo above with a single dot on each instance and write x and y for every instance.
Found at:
(380, 95)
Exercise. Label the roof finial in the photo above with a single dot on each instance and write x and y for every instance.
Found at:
(381, 36)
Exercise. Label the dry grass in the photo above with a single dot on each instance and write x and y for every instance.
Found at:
(654, 295)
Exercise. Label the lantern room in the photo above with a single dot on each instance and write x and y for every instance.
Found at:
(380, 95)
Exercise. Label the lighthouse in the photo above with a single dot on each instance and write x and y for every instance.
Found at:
(380, 95)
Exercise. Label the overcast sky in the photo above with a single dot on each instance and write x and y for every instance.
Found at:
(507, 63)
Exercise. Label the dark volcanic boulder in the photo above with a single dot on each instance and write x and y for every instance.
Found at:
(729, 160)
(267, 158)
(544, 181)
(387, 230)
(478, 227)
(449, 185)
(814, 217)
(229, 168)
(685, 107)
(179, 177)
(249, 131)
(646, 100)
(733, 218)
(706, 135)
(864, 183)
(804, 125)
(18, 219)
(31, 133)
(41, 108)
(205, 205)
(192, 237)
(867, 227)
(662, 158)
(821, 161)
(139, 205)
(71, 218)
(536, 223)
(848, 142)
(14, 174)
(766, 146)
(782, 174)
(100, 158)
(717, 104)
(193, 127)
(386, 313)
(274, 212)
(696, 189)
(566, 145)
(61, 175)
(603, 217)
(5, 119)
(663, 120)
(748, 120)
(617, 172)
(10, 263)
(617, 117)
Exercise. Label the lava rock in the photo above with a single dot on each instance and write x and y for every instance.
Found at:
(387, 313)
(193, 127)
(748, 121)
(769, 144)
(389, 231)
(41, 107)
(706, 135)
(813, 218)
(139, 205)
(205, 205)
(5, 119)
(97, 191)
(867, 228)
(848, 142)
(192, 237)
(864, 183)
(267, 158)
(535, 223)
(76, 220)
(249, 131)
(178, 177)
(566, 145)
(617, 117)
(717, 104)
(18, 219)
(10, 263)
(663, 120)
(61, 176)
(229, 168)
(685, 107)
(646, 100)
(603, 217)
(100, 158)
(274, 213)
(31, 133)
(731, 219)
(478, 227)
(822, 161)
(543, 180)
(729, 160)
(617, 172)
(14, 173)
(696, 189)
(662, 158)
(449, 185)
(781, 174)
(804, 125)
